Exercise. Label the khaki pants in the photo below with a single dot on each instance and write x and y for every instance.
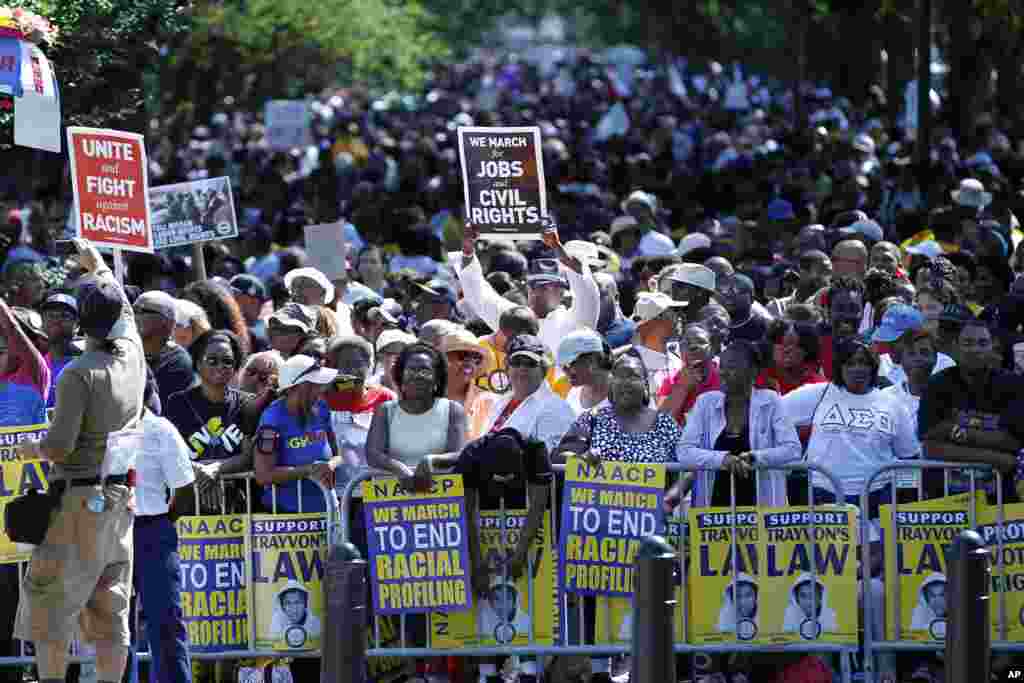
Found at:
(80, 578)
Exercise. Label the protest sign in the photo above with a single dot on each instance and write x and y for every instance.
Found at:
(19, 477)
(809, 584)
(288, 553)
(37, 110)
(915, 563)
(419, 551)
(1006, 596)
(287, 124)
(725, 576)
(327, 250)
(214, 594)
(614, 616)
(197, 211)
(511, 607)
(109, 178)
(607, 508)
(503, 181)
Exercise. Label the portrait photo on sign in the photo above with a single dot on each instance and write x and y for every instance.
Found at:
(293, 621)
(739, 608)
(807, 611)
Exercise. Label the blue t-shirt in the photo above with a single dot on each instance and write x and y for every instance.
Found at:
(297, 445)
(21, 405)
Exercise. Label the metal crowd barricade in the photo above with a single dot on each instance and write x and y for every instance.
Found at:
(331, 502)
(873, 647)
(565, 647)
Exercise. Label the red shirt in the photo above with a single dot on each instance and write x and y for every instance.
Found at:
(372, 397)
(771, 379)
(710, 383)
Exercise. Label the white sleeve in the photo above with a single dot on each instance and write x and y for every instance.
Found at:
(905, 443)
(586, 298)
(689, 450)
(799, 404)
(552, 424)
(175, 462)
(487, 303)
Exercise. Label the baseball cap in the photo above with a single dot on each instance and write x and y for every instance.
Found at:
(249, 285)
(302, 369)
(694, 274)
(295, 315)
(389, 337)
(577, 344)
(692, 242)
(780, 210)
(389, 311)
(623, 224)
(100, 308)
(529, 346)
(898, 319)
(160, 303)
(545, 271)
(60, 300)
(868, 228)
(955, 313)
(314, 275)
(438, 289)
(649, 305)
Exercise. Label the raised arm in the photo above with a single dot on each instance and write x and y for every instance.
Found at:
(482, 298)
(22, 353)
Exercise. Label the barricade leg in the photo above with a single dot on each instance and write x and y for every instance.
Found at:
(344, 634)
(654, 603)
(968, 646)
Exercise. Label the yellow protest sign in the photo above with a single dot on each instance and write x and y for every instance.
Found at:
(19, 477)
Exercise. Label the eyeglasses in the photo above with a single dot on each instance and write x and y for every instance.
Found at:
(59, 314)
(278, 328)
(467, 357)
(219, 361)
(523, 362)
(426, 373)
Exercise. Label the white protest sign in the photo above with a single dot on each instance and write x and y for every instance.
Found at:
(327, 250)
(287, 124)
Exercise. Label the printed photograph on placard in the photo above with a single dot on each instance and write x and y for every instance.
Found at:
(197, 211)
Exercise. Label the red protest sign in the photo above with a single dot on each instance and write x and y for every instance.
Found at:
(111, 187)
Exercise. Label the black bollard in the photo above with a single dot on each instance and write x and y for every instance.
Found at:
(654, 603)
(343, 643)
(968, 646)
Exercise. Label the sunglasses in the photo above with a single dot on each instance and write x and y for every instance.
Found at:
(219, 362)
(467, 357)
(523, 362)
(59, 314)
(278, 328)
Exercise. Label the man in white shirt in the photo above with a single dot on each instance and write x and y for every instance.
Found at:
(163, 467)
(655, 316)
(898, 322)
(545, 286)
(917, 359)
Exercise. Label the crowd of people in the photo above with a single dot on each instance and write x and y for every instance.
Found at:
(716, 287)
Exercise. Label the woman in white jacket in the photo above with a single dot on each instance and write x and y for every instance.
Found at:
(734, 429)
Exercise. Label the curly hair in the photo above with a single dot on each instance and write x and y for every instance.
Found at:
(221, 309)
(846, 351)
(806, 333)
(438, 360)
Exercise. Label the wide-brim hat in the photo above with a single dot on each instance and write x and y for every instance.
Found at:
(303, 369)
(314, 275)
(971, 193)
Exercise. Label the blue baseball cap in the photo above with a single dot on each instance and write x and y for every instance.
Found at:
(780, 210)
(898, 320)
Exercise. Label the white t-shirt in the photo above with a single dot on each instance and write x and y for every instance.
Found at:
(163, 464)
(660, 366)
(852, 434)
(907, 479)
(574, 399)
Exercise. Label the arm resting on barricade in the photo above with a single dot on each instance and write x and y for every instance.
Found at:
(942, 450)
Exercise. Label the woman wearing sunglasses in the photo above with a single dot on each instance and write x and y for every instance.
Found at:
(466, 356)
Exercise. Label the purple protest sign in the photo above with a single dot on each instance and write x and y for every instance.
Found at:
(418, 546)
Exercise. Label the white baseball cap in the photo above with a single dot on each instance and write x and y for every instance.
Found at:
(694, 274)
(649, 305)
(314, 275)
(301, 369)
(389, 337)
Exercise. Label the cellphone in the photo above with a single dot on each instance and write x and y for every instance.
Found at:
(66, 248)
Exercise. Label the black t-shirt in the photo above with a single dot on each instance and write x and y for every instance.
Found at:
(495, 467)
(990, 405)
(172, 368)
(213, 431)
(753, 330)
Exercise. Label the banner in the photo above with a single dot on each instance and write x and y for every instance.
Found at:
(197, 211)
(809, 584)
(614, 622)
(915, 563)
(607, 509)
(19, 477)
(287, 124)
(419, 550)
(504, 616)
(214, 597)
(503, 181)
(1007, 581)
(110, 181)
(288, 553)
(725, 579)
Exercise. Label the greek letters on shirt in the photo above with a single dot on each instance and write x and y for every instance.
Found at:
(839, 418)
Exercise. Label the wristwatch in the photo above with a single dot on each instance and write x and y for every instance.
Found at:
(958, 435)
